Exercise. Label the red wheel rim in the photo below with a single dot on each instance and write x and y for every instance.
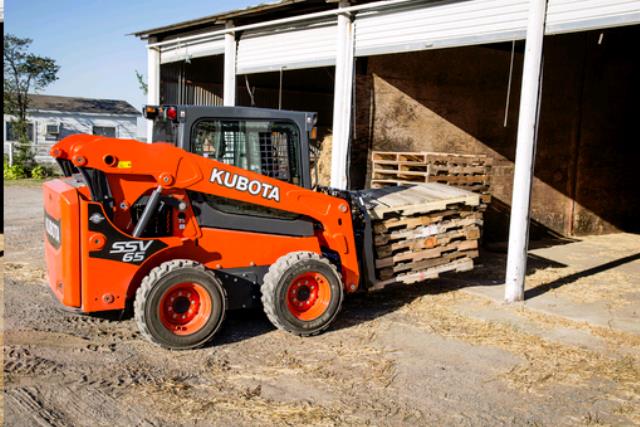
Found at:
(308, 296)
(185, 308)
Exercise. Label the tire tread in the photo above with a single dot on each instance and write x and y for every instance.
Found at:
(148, 282)
(270, 283)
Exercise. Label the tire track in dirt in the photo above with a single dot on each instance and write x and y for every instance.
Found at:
(20, 362)
(99, 406)
(25, 407)
(77, 392)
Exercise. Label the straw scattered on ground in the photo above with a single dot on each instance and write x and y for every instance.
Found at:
(545, 362)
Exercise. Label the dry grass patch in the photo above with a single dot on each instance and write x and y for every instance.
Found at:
(546, 362)
(24, 272)
(611, 286)
(223, 403)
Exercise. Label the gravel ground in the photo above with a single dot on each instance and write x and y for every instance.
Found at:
(430, 354)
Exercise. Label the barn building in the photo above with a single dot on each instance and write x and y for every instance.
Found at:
(412, 75)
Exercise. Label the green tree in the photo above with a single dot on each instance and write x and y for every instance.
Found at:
(144, 87)
(24, 72)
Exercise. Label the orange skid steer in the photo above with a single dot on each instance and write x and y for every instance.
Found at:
(221, 216)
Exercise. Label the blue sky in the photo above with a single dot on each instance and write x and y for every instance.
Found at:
(88, 39)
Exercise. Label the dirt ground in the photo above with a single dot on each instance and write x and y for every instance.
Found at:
(446, 352)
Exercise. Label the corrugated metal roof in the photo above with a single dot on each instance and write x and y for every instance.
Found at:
(219, 18)
(81, 105)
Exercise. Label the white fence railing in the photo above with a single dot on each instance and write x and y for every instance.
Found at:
(40, 151)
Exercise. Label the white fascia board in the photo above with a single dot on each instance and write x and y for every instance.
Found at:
(81, 113)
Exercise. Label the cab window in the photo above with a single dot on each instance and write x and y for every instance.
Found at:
(265, 147)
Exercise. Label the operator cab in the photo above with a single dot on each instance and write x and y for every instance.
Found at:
(270, 142)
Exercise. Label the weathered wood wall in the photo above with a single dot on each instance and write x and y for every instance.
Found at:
(454, 100)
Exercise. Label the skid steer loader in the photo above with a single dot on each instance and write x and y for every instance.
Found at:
(221, 215)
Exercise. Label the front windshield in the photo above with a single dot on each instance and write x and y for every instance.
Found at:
(262, 146)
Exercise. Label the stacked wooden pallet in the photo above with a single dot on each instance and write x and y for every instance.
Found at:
(468, 171)
(423, 230)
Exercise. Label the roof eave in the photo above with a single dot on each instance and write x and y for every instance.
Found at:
(216, 19)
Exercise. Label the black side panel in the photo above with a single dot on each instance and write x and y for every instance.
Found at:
(99, 187)
(242, 286)
(208, 216)
(363, 233)
(119, 247)
(160, 223)
(367, 258)
(67, 167)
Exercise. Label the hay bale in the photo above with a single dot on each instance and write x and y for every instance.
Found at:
(324, 161)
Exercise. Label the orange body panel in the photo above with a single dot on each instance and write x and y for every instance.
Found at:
(104, 282)
(233, 249)
(61, 206)
(134, 169)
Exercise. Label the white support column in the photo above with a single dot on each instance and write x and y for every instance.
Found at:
(525, 153)
(230, 49)
(342, 98)
(153, 84)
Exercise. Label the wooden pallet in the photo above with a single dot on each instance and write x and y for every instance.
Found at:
(422, 230)
(424, 156)
(467, 233)
(469, 171)
(476, 187)
(420, 254)
(417, 169)
(462, 264)
(412, 222)
(425, 264)
(422, 198)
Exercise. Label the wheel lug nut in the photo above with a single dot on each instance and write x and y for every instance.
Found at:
(175, 316)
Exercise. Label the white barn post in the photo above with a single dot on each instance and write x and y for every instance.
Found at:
(525, 153)
(230, 48)
(153, 84)
(343, 90)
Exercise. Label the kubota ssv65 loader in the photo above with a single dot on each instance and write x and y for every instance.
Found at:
(221, 216)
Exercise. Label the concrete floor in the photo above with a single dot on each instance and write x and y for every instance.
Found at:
(595, 279)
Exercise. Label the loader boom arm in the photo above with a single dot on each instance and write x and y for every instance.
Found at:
(166, 167)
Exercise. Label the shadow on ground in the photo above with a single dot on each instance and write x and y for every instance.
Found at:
(571, 278)
(363, 307)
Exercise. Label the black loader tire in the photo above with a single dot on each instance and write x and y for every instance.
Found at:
(159, 281)
(275, 292)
